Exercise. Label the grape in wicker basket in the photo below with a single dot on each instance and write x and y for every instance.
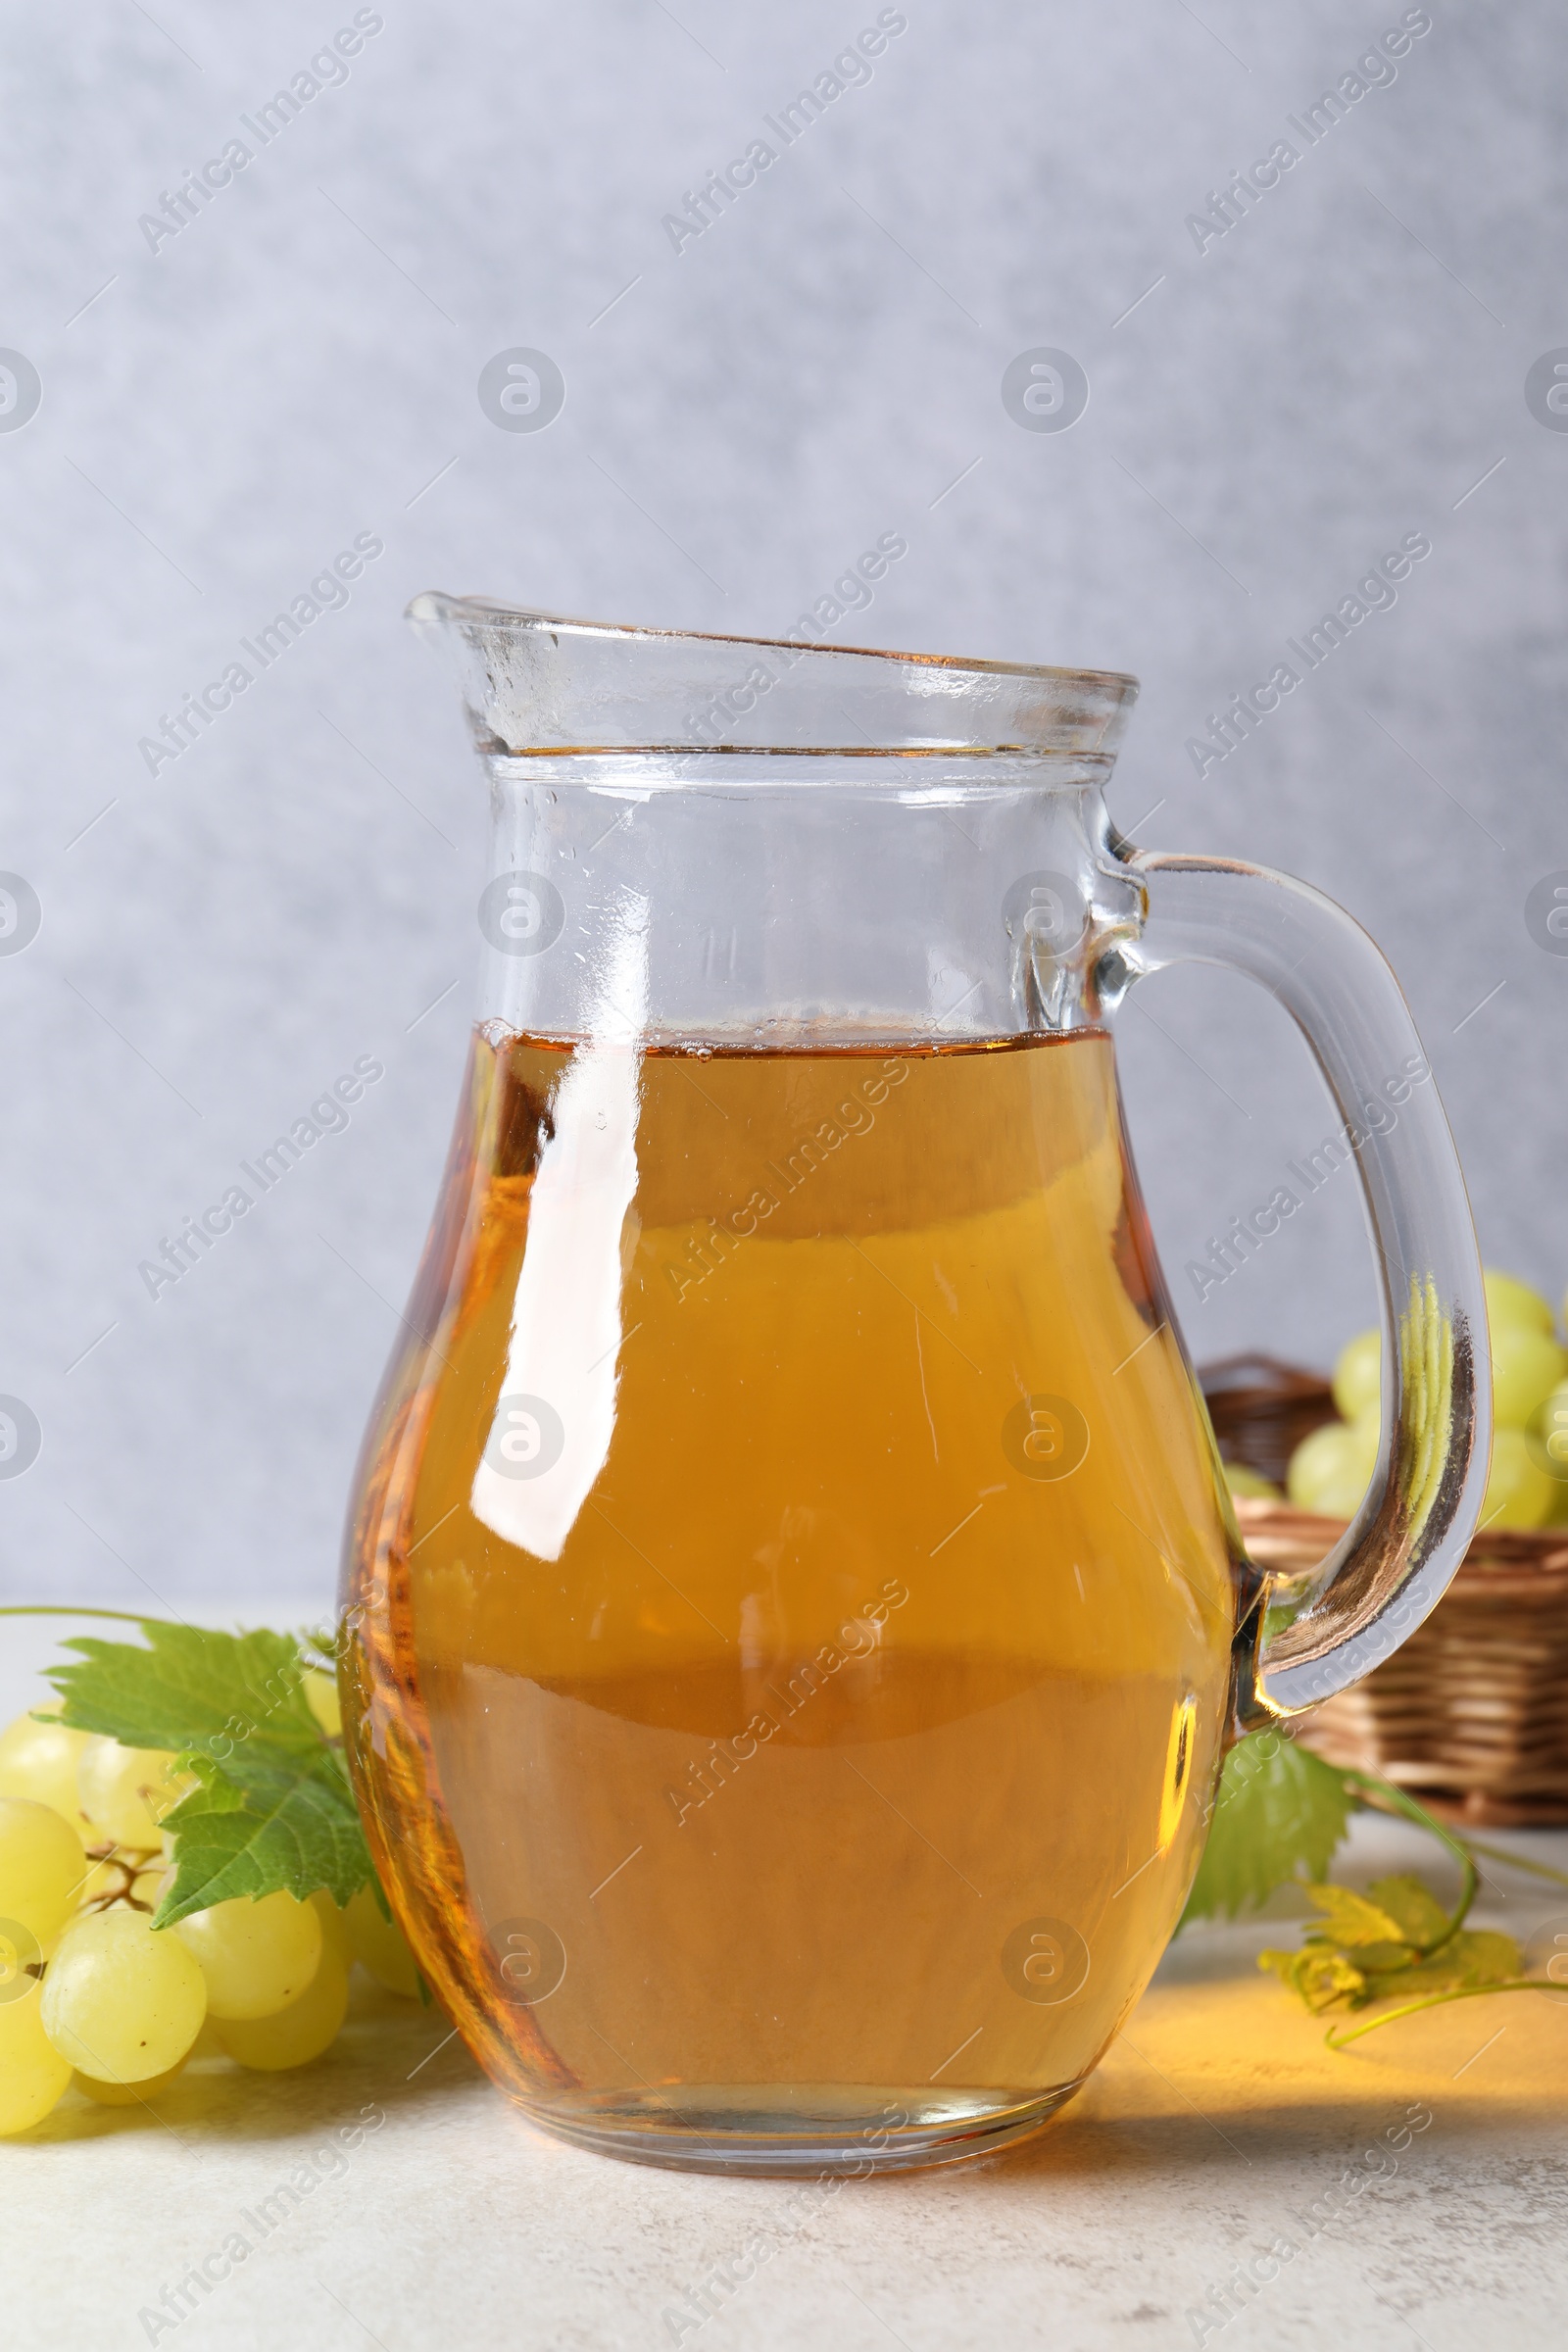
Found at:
(1331, 1469)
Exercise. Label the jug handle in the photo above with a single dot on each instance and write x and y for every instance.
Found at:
(1315, 1635)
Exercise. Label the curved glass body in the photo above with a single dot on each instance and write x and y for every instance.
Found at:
(793, 1620)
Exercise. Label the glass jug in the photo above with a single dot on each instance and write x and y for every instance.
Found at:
(794, 1617)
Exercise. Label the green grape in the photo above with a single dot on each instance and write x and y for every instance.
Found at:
(1244, 1482)
(1331, 1470)
(1547, 1440)
(1509, 1301)
(127, 2095)
(1526, 1366)
(379, 1945)
(124, 1791)
(1358, 1374)
(1519, 1492)
(256, 1956)
(320, 1697)
(1551, 1421)
(32, 2073)
(335, 1924)
(294, 2035)
(39, 1760)
(121, 2001)
(20, 1953)
(41, 1866)
(1526, 1360)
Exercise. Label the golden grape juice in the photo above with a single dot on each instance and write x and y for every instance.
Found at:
(790, 1599)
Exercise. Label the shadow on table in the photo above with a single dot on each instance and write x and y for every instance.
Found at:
(392, 2056)
(1218, 2070)
(1231, 2071)
(1083, 2145)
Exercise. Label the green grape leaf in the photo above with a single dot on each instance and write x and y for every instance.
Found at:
(1417, 1914)
(294, 1829)
(1280, 1813)
(212, 1693)
(1354, 1921)
(1321, 1978)
(1366, 1948)
(1475, 1956)
(273, 1807)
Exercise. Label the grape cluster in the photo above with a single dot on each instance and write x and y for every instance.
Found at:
(1330, 1470)
(91, 1992)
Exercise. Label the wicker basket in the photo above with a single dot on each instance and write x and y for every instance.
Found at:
(1471, 1714)
(1261, 1410)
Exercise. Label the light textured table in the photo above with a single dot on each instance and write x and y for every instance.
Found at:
(1421, 2180)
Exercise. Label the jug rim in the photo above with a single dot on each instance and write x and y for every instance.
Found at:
(437, 603)
(537, 681)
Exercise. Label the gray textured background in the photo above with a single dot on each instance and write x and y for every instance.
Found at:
(299, 364)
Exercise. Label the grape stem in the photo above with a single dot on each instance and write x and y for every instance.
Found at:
(129, 1872)
(142, 1617)
(1338, 2039)
(1385, 1797)
(53, 1609)
(1500, 1853)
